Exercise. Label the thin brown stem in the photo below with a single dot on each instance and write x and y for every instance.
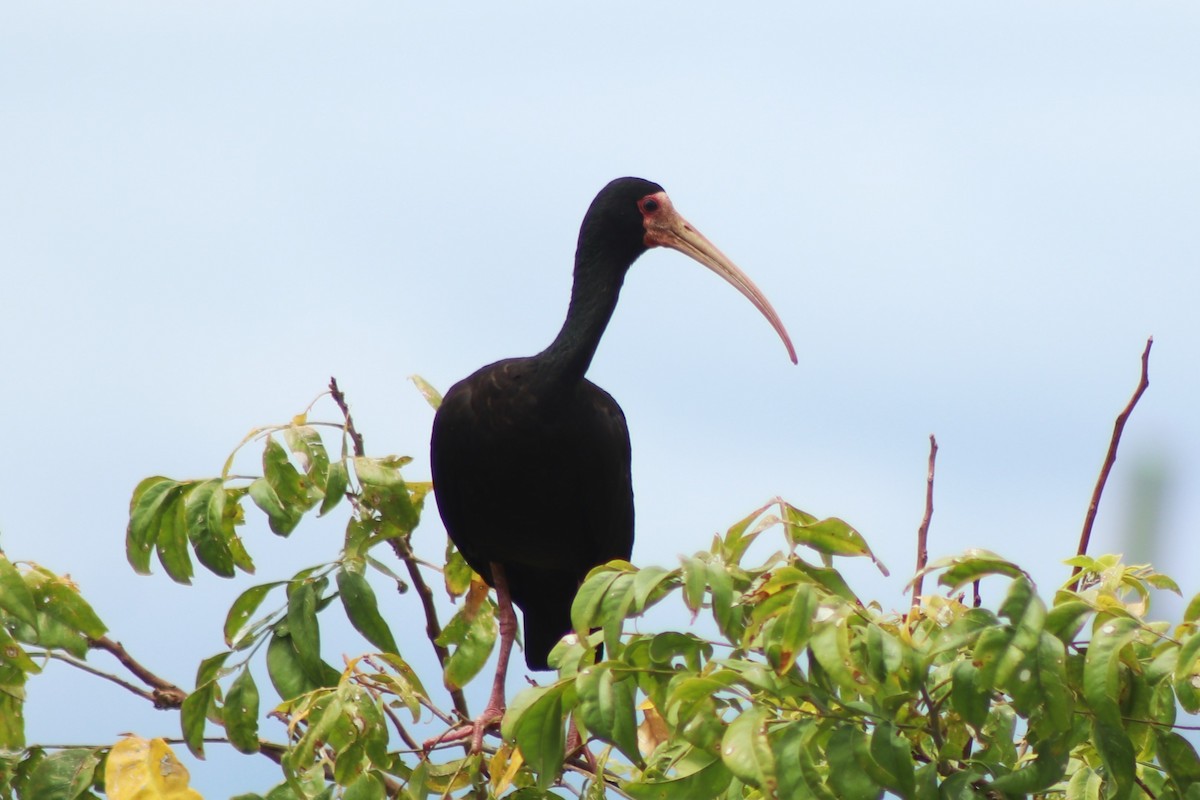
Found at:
(340, 399)
(400, 545)
(1110, 457)
(85, 667)
(923, 531)
(935, 731)
(165, 693)
(400, 729)
(433, 628)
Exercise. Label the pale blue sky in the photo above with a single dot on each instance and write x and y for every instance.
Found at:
(970, 216)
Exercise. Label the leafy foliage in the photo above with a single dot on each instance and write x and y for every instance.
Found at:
(795, 688)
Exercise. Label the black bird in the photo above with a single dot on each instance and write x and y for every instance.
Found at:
(530, 460)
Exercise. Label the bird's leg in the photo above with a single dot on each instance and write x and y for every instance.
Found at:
(494, 712)
(507, 619)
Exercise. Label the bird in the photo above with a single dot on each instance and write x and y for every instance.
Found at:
(531, 461)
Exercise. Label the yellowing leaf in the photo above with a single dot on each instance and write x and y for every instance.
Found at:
(504, 767)
(146, 769)
(653, 730)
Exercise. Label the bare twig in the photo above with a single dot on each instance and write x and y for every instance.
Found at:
(1109, 458)
(923, 531)
(85, 667)
(433, 628)
(340, 399)
(400, 545)
(1142, 785)
(935, 731)
(166, 694)
(400, 729)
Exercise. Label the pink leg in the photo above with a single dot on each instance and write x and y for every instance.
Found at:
(494, 712)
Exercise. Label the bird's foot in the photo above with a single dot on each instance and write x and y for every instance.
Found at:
(473, 730)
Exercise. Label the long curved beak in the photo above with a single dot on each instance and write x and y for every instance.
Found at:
(667, 228)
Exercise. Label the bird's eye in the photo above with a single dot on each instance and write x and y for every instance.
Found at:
(650, 206)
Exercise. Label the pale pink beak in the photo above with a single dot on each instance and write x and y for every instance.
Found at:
(666, 228)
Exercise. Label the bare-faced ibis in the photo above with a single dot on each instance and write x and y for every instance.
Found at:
(531, 460)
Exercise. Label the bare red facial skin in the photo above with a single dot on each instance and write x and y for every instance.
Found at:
(657, 211)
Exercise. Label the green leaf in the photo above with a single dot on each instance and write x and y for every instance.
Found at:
(475, 634)
(336, 481)
(405, 684)
(431, 395)
(646, 584)
(973, 565)
(1192, 612)
(1001, 650)
(846, 751)
(287, 674)
(1039, 684)
(1101, 688)
(144, 509)
(697, 774)
(720, 582)
(240, 713)
(193, 715)
(1046, 770)
(1187, 674)
(606, 706)
(15, 597)
(205, 529)
(225, 507)
(747, 752)
(358, 598)
(61, 601)
(1178, 757)
(457, 574)
(304, 630)
(968, 697)
(367, 786)
(384, 489)
(281, 518)
(795, 626)
(172, 539)
(64, 775)
(695, 581)
(832, 536)
(211, 668)
(830, 646)
(613, 608)
(540, 734)
(894, 756)
(799, 775)
(12, 723)
(1067, 618)
(243, 608)
(305, 444)
(283, 476)
(16, 660)
(585, 608)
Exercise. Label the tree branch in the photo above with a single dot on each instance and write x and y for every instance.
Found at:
(923, 531)
(340, 399)
(433, 628)
(83, 666)
(403, 550)
(1109, 458)
(165, 693)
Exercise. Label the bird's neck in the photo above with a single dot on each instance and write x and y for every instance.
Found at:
(593, 300)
